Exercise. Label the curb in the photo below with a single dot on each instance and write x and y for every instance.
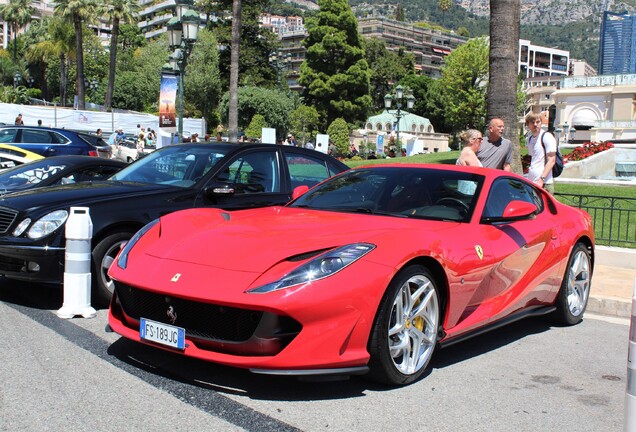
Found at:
(609, 306)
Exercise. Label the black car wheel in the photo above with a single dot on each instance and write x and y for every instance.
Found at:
(103, 256)
(575, 288)
(405, 331)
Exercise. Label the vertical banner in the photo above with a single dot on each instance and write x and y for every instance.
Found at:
(167, 102)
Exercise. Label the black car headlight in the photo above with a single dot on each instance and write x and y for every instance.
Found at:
(122, 261)
(43, 226)
(319, 267)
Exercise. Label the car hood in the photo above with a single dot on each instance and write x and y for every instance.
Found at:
(77, 194)
(255, 240)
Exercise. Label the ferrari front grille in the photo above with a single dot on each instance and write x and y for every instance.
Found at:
(200, 320)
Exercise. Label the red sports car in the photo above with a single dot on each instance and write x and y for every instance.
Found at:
(369, 271)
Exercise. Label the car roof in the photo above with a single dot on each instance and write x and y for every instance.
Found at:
(45, 128)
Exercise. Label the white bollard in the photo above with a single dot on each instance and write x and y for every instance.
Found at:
(77, 265)
(630, 392)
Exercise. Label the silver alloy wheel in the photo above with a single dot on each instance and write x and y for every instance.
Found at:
(578, 283)
(108, 259)
(413, 325)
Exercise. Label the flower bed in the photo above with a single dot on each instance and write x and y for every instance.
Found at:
(586, 150)
(581, 152)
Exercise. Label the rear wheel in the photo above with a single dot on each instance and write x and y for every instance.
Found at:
(575, 288)
(405, 331)
(103, 256)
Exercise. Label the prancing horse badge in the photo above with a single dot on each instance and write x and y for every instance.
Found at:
(480, 252)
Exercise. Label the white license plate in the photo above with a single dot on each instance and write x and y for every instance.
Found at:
(164, 334)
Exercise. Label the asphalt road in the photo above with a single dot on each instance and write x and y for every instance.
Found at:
(70, 375)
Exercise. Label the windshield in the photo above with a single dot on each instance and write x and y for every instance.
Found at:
(31, 173)
(176, 165)
(398, 191)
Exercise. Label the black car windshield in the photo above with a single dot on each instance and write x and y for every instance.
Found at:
(31, 173)
(176, 165)
(412, 192)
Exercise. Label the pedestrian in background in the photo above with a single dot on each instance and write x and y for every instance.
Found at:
(39, 123)
(18, 120)
(98, 132)
(471, 141)
(542, 147)
(495, 150)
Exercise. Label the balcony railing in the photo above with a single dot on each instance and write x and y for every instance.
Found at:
(614, 218)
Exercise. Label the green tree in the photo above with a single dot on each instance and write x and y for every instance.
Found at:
(255, 128)
(137, 88)
(17, 13)
(339, 132)
(386, 67)
(273, 105)
(335, 73)
(233, 121)
(203, 84)
(399, 12)
(56, 47)
(117, 12)
(503, 79)
(78, 12)
(444, 6)
(462, 87)
(304, 121)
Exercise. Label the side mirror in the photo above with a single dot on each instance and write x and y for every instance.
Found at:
(517, 210)
(298, 191)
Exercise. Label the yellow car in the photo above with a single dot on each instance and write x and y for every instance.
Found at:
(11, 156)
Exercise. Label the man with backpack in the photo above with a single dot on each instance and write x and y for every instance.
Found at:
(542, 148)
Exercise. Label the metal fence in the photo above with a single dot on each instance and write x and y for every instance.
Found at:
(614, 217)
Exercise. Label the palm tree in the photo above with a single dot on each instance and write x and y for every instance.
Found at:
(78, 12)
(234, 70)
(501, 99)
(17, 13)
(118, 11)
(59, 43)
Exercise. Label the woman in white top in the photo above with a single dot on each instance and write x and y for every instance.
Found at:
(471, 140)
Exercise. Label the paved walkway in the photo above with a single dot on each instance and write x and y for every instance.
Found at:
(613, 282)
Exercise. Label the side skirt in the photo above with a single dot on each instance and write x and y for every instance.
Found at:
(526, 313)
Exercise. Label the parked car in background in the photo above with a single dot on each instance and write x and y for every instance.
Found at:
(54, 142)
(368, 272)
(11, 156)
(176, 177)
(126, 150)
(57, 170)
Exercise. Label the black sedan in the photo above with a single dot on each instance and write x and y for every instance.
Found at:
(57, 170)
(228, 176)
(54, 141)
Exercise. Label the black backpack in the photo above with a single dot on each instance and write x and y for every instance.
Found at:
(557, 169)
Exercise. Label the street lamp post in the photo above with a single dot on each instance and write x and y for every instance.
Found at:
(182, 34)
(281, 62)
(16, 79)
(399, 100)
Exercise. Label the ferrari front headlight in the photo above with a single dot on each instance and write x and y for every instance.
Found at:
(320, 267)
(122, 261)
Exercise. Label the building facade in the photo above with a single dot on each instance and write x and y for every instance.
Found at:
(538, 61)
(428, 46)
(617, 46)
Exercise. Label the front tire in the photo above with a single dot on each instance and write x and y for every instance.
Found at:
(405, 330)
(574, 294)
(103, 256)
